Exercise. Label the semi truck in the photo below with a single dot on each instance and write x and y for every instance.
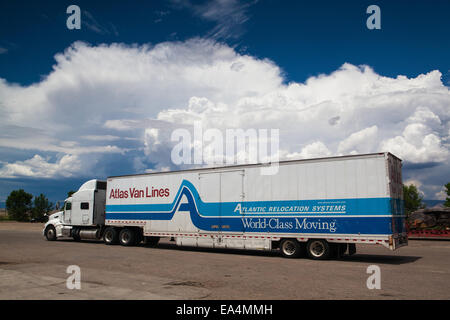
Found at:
(315, 207)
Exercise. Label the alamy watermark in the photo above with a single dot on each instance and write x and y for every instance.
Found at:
(74, 280)
(374, 20)
(235, 146)
(374, 280)
(74, 20)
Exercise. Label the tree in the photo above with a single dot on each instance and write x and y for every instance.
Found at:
(447, 200)
(41, 206)
(18, 205)
(412, 199)
(70, 193)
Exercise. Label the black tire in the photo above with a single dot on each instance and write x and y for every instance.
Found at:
(318, 249)
(127, 237)
(151, 241)
(291, 248)
(50, 233)
(111, 236)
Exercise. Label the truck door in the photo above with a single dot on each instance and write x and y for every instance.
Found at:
(87, 211)
(68, 212)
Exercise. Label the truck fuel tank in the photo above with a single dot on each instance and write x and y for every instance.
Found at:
(90, 234)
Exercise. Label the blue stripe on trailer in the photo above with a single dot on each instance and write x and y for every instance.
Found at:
(218, 216)
(366, 206)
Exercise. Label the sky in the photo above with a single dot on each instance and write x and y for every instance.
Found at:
(103, 100)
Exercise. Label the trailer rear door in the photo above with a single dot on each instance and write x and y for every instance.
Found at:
(394, 168)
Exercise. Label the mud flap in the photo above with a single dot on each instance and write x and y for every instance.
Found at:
(340, 249)
(351, 249)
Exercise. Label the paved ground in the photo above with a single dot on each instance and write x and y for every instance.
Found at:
(33, 268)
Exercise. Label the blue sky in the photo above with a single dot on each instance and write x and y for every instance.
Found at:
(304, 38)
(301, 39)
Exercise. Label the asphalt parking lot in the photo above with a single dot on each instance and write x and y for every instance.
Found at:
(33, 268)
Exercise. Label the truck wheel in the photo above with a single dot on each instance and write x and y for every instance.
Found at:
(290, 248)
(50, 233)
(318, 249)
(111, 236)
(127, 237)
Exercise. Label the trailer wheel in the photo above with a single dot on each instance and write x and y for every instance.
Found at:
(127, 237)
(50, 233)
(318, 249)
(290, 248)
(111, 236)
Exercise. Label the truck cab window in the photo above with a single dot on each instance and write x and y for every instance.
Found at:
(84, 205)
(68, 206)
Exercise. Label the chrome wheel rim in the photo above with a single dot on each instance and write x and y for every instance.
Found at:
(108, 236)
(50, 233)
(317, 248)
(289, 248)
(125, 237)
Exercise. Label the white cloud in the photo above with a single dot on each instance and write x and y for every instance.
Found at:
(441, 195)
(417, 183)
(359, 142)
(314, 150)
(426, 116)
(38, 167)
(103, 102)
(417, 144)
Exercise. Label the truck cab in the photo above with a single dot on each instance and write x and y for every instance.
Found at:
(83, 214)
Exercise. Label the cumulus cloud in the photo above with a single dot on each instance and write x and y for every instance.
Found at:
(417, 183)
(313, 150)
(119, 101)
(417, 144)
(38, 167)
(441, 195)
(359, 142)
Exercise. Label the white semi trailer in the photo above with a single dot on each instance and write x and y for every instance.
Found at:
(319, 207)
